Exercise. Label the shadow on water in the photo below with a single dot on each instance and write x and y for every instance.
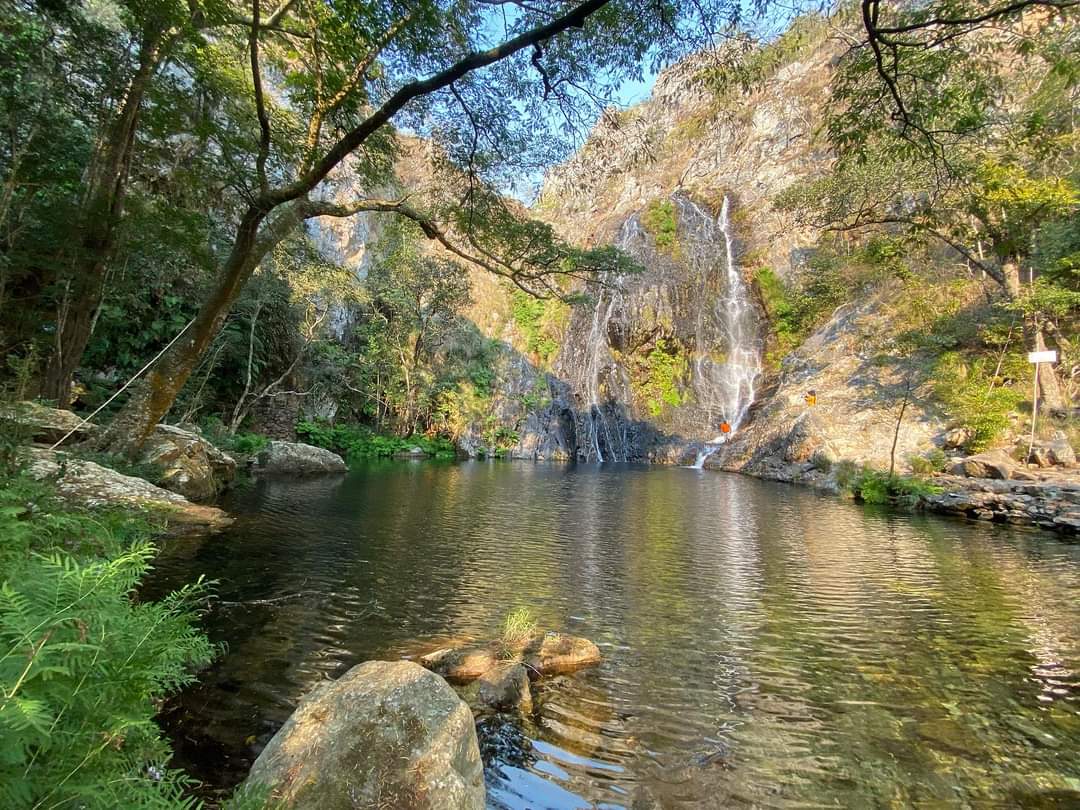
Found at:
(763, 645)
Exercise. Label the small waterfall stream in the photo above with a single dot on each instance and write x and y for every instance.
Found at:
(725, 385)
(692, 292)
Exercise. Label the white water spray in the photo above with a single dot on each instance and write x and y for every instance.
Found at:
(728, 383)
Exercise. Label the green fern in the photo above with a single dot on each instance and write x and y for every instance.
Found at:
(82, 665)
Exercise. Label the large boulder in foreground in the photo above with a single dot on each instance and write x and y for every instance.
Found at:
(385, 734)
(190, 465)
(87, 484)
(295, 458)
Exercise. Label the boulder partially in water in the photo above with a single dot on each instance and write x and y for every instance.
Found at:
(557, 654)
(385, 734)
(505, 688)
(296, 458)
(191, 466)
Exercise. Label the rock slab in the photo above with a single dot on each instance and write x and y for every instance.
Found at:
(47, 425)
(85, 483)
(296, 458)
(385, 734)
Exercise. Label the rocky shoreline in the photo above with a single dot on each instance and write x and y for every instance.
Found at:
(1049, 501)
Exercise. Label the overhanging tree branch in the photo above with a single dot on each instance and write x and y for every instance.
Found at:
(415, 89)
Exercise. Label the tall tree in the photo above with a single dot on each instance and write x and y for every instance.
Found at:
(343, 72)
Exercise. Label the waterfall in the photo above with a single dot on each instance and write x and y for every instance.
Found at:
(693, 295)
(729, 385)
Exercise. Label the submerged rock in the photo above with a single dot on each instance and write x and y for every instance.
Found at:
(460, 665)
(191, 466)
(543, 654)
(85, 483)
(556, 654)
(385, 734)
(505, 688)
(298, 459)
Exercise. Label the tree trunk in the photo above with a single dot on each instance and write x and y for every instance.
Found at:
(1010, 269)
(96, 224)
(152, 400)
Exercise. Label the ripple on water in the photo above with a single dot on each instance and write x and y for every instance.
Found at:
(763, 646)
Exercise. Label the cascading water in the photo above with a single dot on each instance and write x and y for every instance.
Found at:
(726, 385)
(691, 301)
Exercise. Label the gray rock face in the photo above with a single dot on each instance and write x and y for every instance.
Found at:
(46, 425)
(192, 466)
(88, 484)
(386, 734)
(295, 458)
(858, 400)
(991, 464)
(505, 688)
(1061, 452)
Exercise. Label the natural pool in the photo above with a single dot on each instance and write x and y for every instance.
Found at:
(764, 645)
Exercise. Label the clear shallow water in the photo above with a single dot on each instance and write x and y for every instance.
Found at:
(764, 646)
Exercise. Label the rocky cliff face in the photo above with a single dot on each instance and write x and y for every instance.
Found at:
(658, 365)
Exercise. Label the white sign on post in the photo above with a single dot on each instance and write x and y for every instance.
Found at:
(1042, 357)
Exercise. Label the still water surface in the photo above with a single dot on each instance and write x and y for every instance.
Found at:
(763, 645)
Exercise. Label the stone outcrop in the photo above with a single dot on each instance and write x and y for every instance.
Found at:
(45, 425)
(295, 458)
(858, 402)
(991, 464)
(86, 484)
(1051, 504)
(385, 734)
(190, 465)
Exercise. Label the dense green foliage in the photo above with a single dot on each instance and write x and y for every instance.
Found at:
(82, 661)
(356, 441)
(659, 377)
(538, 319)
(879, 487)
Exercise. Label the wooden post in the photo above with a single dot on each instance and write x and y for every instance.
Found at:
(1034, 415)
(1037, 358)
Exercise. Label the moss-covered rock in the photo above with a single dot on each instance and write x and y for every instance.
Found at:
(385, 734)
